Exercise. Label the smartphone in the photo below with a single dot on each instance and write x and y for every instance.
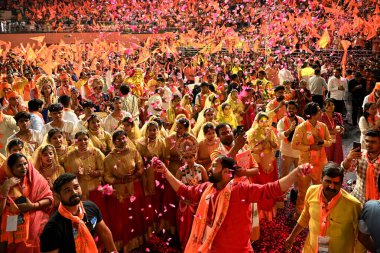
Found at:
(356, 145)
(20, 200)
(320, 143)
(240, 130)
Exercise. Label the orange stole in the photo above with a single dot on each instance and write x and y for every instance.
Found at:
(315, 158)
(84, 243)
(198, 241)
(371, 191)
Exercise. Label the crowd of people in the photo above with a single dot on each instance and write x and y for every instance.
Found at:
(103, 145)
(270, 23)
(164, 146)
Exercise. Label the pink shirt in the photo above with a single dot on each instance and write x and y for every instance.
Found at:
(233, 235)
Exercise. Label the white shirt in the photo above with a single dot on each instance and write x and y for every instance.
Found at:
(69, 115)
(34, 142)
(111, 124)
(285, 75)
(131, 105)
(154, 103)
(68, 129)
(365, 100)
(286, 148)
(333, 85)
(166, 98)
(316, 84)
(7, 128)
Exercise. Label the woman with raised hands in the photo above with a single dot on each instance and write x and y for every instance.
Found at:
(263, 143)
(87, 163)
(123, 168)
(150, 145)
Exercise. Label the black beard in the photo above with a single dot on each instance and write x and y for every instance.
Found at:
(72, 201)
(227, 141)
(212, 178)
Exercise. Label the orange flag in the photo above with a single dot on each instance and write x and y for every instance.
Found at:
(144, 55)
(324, 40)
(345, 44)
(38, 38)
(30, 55)
(305, 48)
(48, 66)
(256, 46)
(7, 48)
(371, 30)
(217, 48)
(377, 10)
(3, 43)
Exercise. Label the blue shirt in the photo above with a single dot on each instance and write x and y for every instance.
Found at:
(370, 221)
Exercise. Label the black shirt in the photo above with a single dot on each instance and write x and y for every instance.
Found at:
(59, 233)
(357, 94)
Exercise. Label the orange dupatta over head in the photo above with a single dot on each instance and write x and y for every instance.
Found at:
(84, 243)
(198, 240)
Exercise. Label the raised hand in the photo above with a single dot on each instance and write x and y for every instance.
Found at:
(8, 184)
(305, 169)
(158, 165)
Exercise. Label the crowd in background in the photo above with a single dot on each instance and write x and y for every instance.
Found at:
(256, 91)
(107, 123)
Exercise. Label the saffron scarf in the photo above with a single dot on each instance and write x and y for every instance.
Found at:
(197, 241)
(372, 120)
(22, 232)
(325, 210)
(371, 190)
(316, 157)
(371, 98)
(84, 243)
